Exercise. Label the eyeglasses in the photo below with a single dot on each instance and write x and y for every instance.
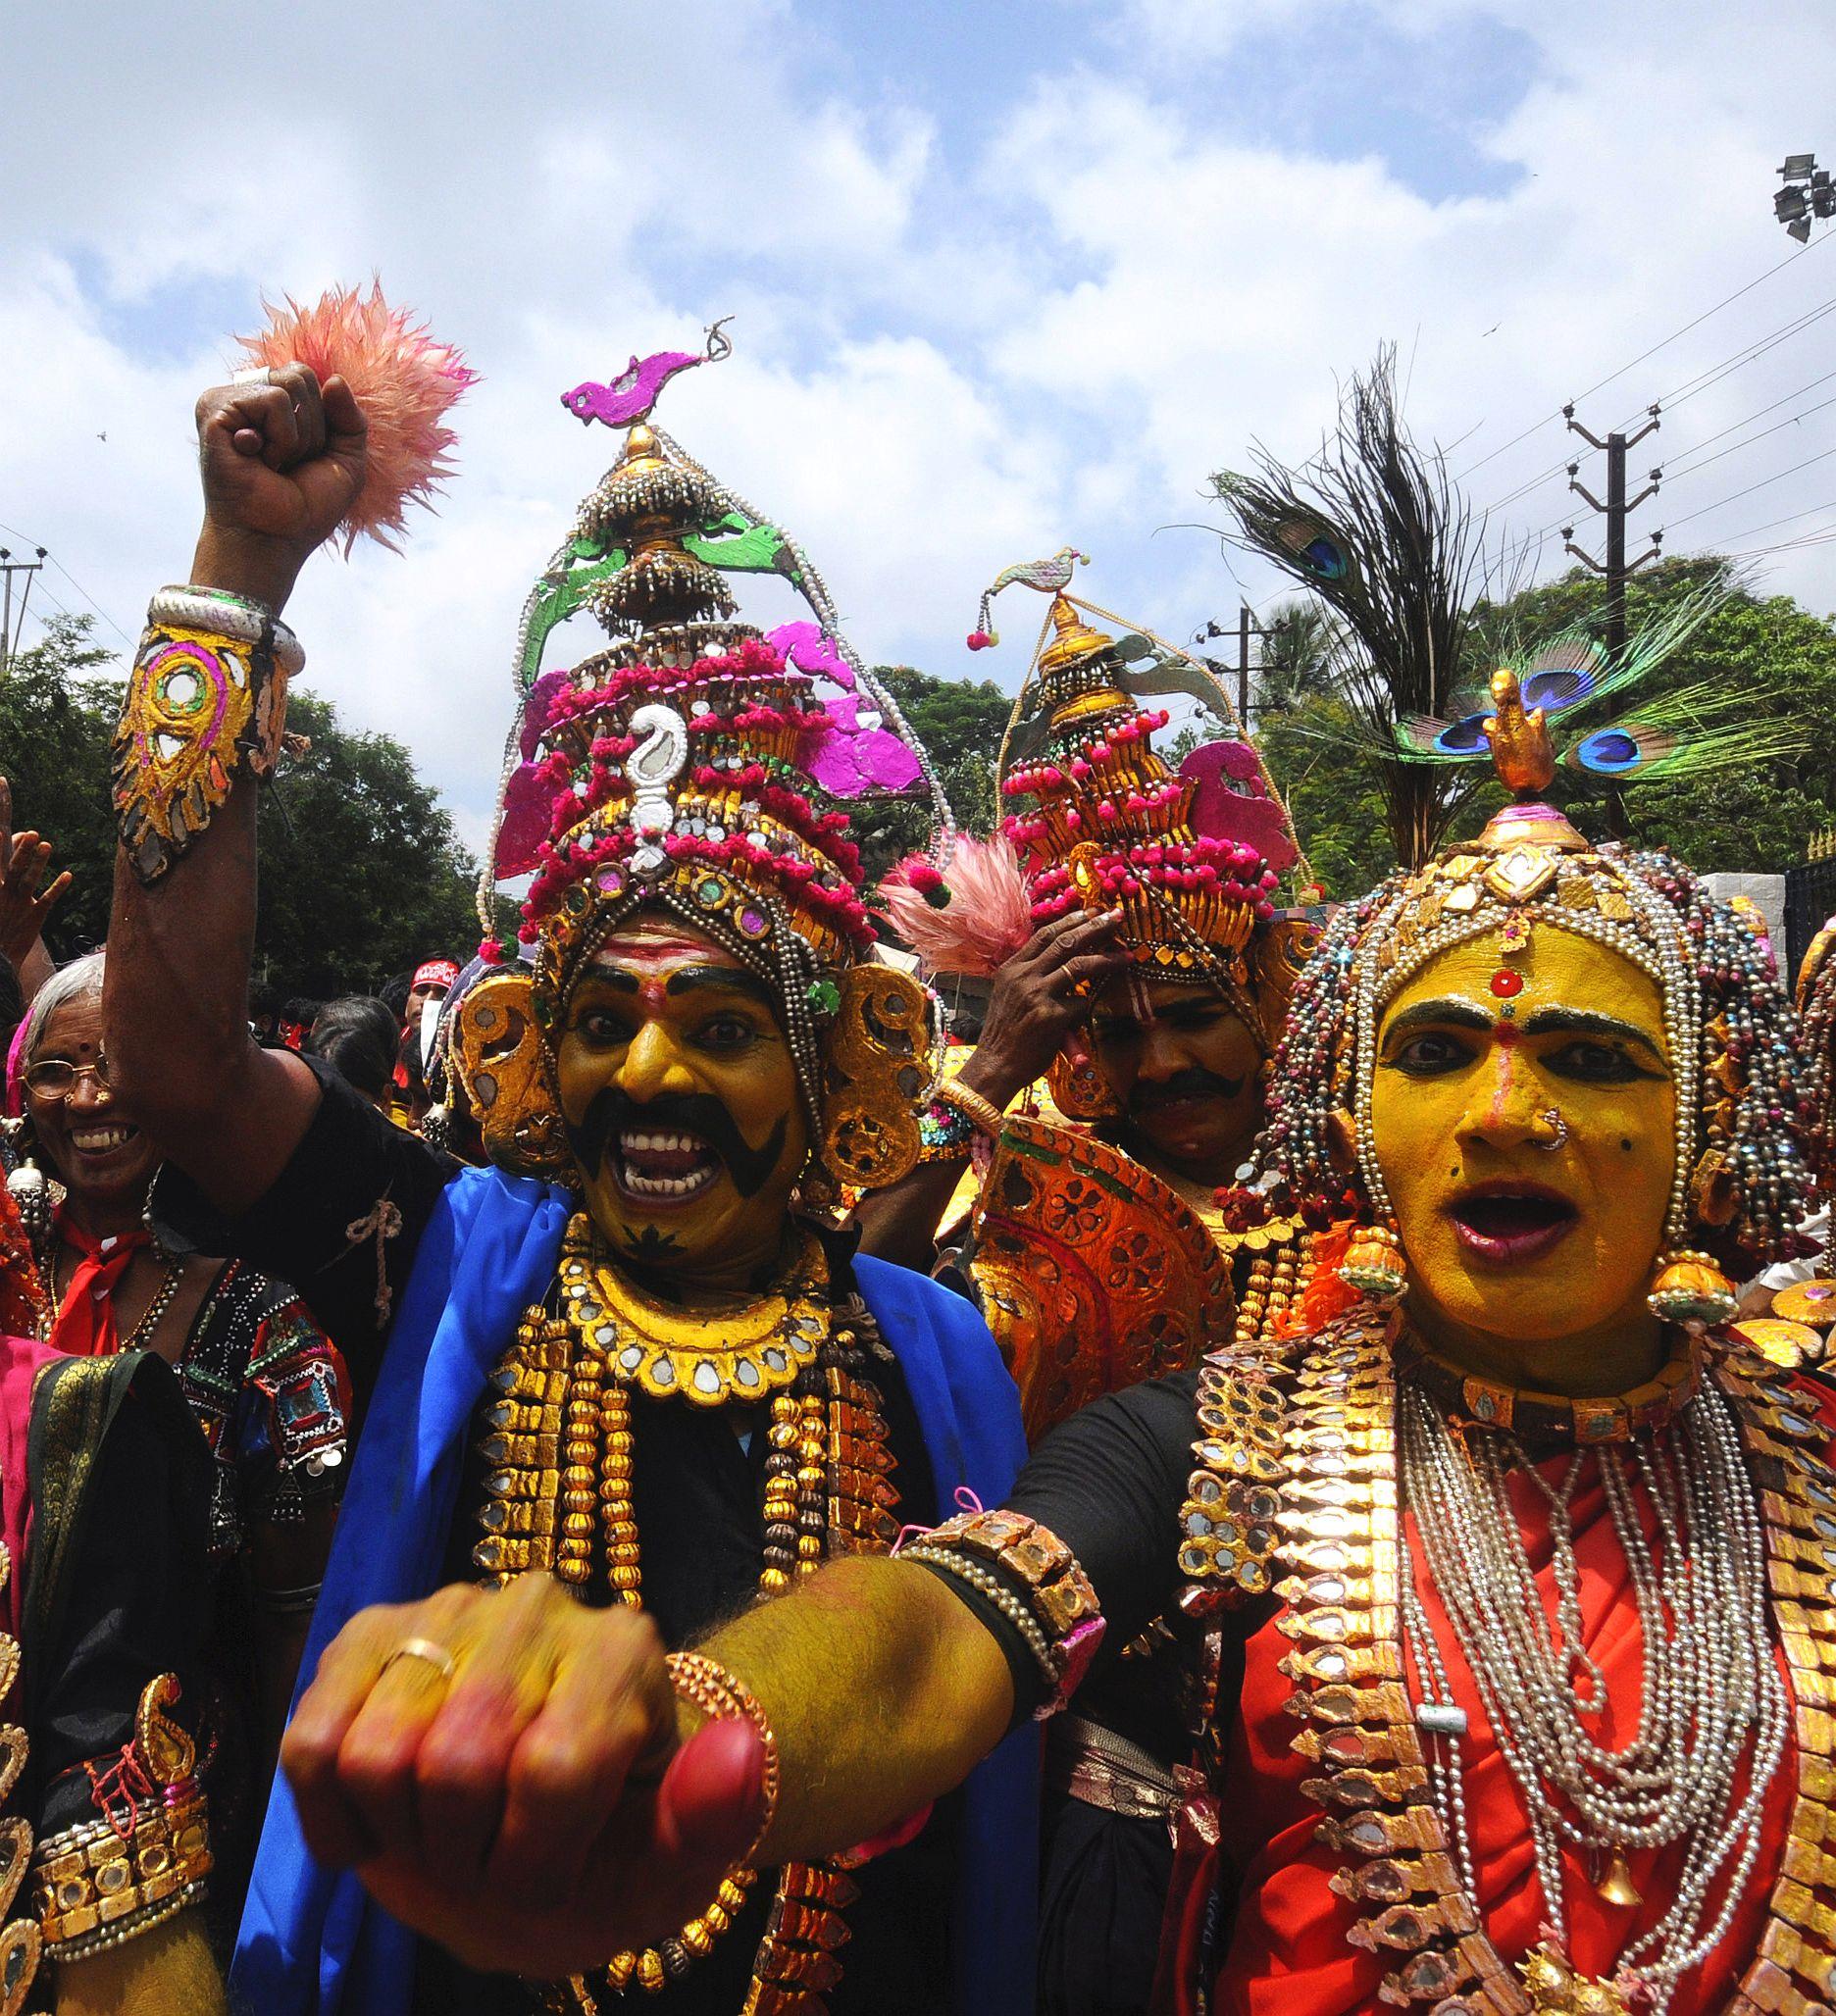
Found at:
(55, 1076)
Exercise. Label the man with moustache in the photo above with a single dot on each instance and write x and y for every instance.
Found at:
(1154, 989)
(1148, 988)
(631, 1356)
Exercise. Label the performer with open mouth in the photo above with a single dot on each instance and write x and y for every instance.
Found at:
(632, 1359)
(1506, 1580)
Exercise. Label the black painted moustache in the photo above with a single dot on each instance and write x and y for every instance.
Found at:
(613, 1113)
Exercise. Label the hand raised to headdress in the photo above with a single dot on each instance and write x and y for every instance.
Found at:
(281, 461)
(504, 1770)
(1041, 996)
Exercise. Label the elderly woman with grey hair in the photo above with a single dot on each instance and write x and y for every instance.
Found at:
(267, 1387)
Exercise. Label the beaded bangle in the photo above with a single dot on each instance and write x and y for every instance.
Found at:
(982, 1114)
(707, 1685)
(999, 1593)
(946, 1132)
(1053, 1588)
(92, 1888)
(207, 695)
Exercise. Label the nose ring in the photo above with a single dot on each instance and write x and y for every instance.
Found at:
(1553, 1115)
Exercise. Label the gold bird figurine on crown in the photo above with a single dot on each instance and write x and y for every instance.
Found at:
(1521, 751)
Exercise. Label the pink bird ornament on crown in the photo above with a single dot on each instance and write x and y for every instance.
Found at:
(630, 395)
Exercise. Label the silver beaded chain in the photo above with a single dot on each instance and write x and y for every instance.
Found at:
(1715, 1712)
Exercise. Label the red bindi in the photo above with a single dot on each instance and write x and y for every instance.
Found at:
(1506, 983)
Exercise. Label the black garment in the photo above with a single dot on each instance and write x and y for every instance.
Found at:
(698, 1493)
(116, 1589)
(320, 1225)
(1104, 1881)
(1109, 1482)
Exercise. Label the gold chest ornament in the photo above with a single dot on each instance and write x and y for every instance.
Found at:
(1293, 1491)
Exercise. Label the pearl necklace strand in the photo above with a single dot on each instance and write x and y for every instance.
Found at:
(1712, 1696)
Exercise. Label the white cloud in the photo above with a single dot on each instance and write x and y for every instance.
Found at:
(961, 341)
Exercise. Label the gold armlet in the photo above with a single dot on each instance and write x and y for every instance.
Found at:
(1064, 1624)
(207, 696)
(94, 1887)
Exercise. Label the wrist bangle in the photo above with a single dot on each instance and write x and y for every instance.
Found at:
(217, 611)
(982, 1114)
(1052, 1586)
(946, 1132)
(707, 1685)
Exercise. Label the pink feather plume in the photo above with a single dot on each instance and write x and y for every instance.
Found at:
(986, 919)
(404, 380)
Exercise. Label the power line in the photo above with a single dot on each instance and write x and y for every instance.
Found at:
(81, 591)
(1762, 484)
(1538, 426)
(1790, 517)
(1760, 414)
(1748, 353)
(1735, 447)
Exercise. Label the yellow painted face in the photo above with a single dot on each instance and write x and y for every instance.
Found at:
(1526, 1134)
(681, 1103)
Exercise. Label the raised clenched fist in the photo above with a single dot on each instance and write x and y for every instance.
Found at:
(282, 461)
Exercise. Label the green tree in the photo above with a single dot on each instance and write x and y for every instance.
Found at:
(361, 873)
(1770, 662)
(961, 723)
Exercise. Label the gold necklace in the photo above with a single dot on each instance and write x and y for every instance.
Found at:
(558, 1498)
(708, 1357)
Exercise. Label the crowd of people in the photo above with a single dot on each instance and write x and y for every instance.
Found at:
(1290, 1471)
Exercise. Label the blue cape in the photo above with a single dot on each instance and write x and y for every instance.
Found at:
(312, 1942)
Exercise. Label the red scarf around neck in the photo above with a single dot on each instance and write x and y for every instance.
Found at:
(85, 1324)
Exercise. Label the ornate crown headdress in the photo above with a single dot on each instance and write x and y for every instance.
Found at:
(1741, 1122)
(1191, 857)
(683, 768)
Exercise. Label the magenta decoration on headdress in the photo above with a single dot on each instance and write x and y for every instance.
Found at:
(528, 799)
(857, 755)
(1232, 801)
(630, 395)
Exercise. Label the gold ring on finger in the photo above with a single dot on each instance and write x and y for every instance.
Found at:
(425, 1651)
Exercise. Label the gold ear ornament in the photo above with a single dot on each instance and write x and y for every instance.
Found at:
(876, 1070)
(500, 1060)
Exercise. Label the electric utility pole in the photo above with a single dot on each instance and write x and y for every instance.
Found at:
(1247, 628)
(1616, 509)
(9, 567)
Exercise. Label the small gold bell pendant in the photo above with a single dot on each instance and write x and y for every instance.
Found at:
(1616, 1886)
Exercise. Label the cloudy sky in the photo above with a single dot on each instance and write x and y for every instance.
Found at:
(1002, 278)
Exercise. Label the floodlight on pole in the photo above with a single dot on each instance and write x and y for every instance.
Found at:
(1808, 193)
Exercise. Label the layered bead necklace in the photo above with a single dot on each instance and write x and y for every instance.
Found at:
(558, 1498)
(1714, 1713)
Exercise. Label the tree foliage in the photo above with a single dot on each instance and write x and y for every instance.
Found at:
(362, 874)
(961, 723)
(1773, 659)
